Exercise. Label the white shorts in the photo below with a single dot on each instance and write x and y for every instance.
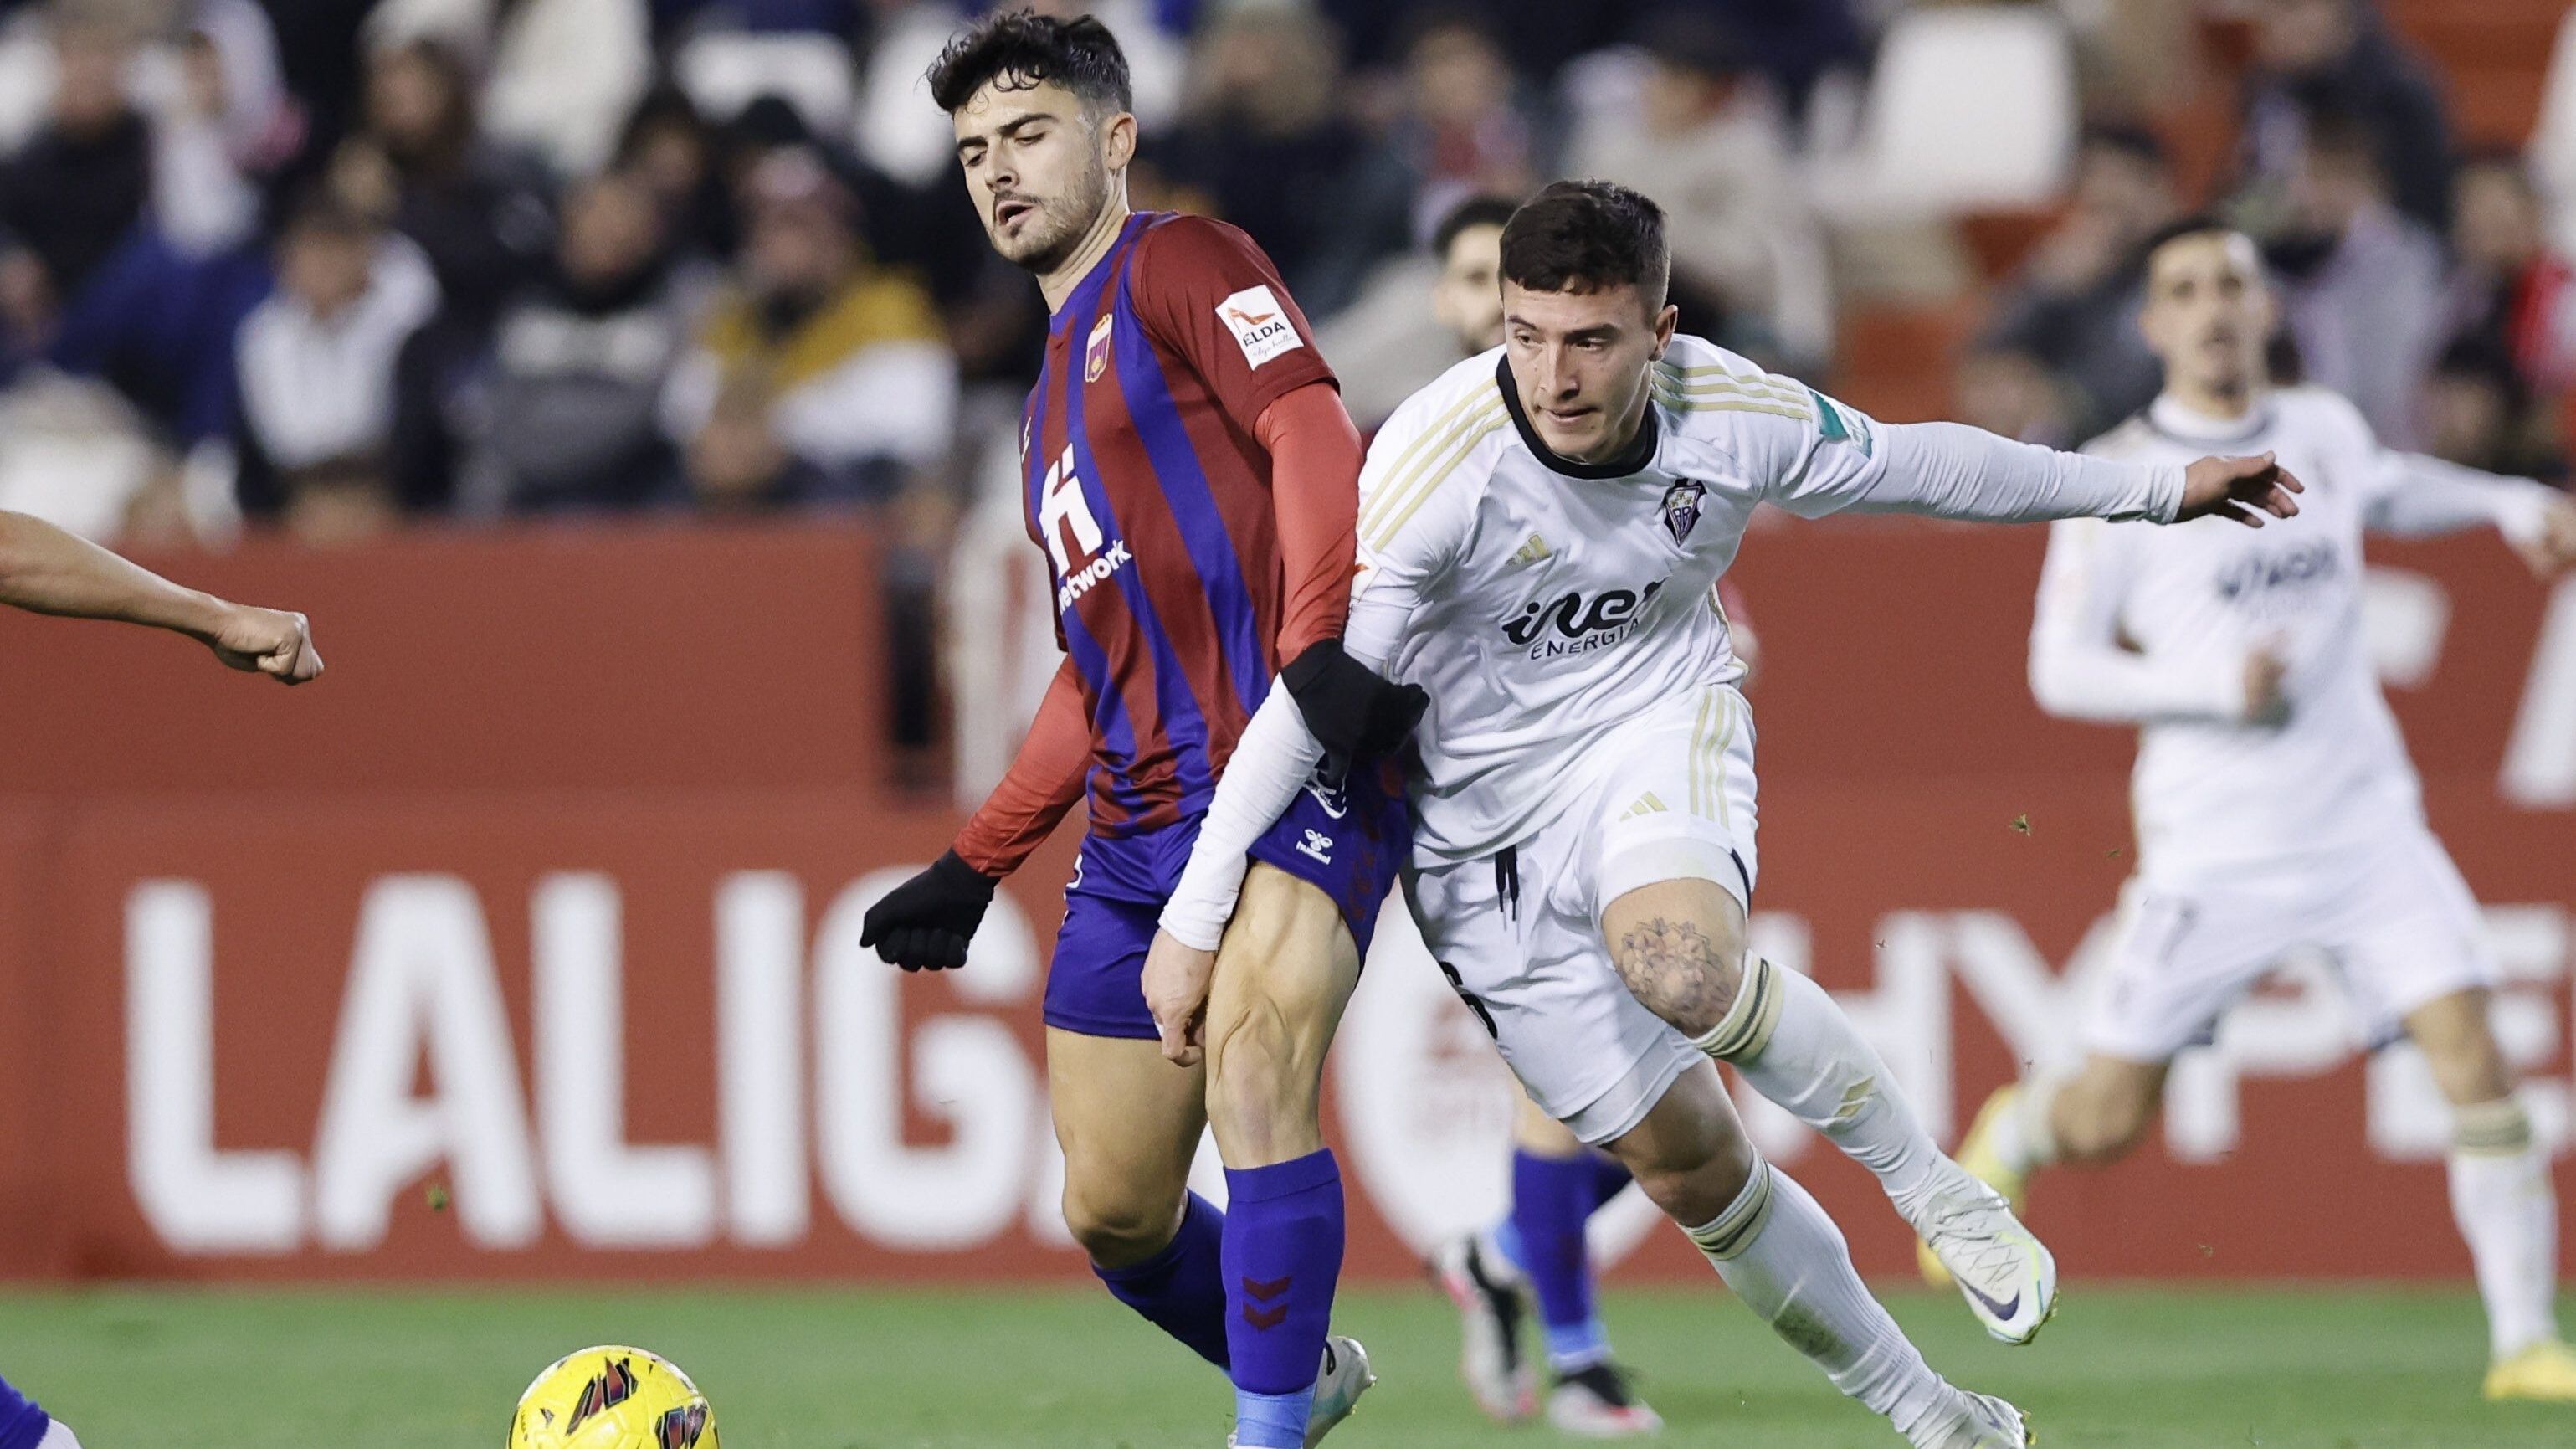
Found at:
(1518, 934)
(2397, 920)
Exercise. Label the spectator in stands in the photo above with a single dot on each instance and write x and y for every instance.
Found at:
(2362, 281)
(864, 387)
(571, 413)
(669, 148)
(2072, 308)
(2476, 410)
(72, 195)
(1466, 128)
(157, 316)
(2510, 287)
(479, 214)
(1267, 141)
(2310, 53)
(316, 363)
(1705, 137)
(229, 127)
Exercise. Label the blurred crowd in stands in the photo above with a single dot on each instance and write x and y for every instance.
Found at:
(334, 264)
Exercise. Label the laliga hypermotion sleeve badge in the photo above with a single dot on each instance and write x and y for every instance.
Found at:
(1682, 508)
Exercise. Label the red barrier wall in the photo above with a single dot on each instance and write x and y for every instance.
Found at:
(312, 983)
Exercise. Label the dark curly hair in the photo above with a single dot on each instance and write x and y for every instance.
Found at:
(1586, 236)
(1022, 48)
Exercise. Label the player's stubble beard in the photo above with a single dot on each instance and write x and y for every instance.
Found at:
(1061, 225)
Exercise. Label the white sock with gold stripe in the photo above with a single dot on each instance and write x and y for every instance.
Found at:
(2503, 1201)
(1796, 1047)
(1776, 1248)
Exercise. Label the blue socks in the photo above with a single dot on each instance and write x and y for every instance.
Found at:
(1283, 1254)
(22, 1424)
(1552, 1198)
(1180, 1290)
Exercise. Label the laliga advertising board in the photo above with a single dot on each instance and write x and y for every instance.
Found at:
(512, 1033)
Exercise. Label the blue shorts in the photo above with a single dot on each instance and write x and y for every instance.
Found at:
(1349, 842)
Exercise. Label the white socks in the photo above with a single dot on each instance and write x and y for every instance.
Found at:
(1776, 1248)
(59, 1436)
(1790, 1040)
(2502, 1199)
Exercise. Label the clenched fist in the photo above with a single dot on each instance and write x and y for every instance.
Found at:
(267, 641)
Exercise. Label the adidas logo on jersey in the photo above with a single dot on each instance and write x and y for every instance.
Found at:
(1646, 804)
(1531, 552)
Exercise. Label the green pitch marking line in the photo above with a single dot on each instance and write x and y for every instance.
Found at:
(2359, 1368)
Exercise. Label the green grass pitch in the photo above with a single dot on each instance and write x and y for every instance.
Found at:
(2122, 1368)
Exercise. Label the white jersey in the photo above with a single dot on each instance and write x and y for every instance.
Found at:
(1540, 601)
(2153, 626)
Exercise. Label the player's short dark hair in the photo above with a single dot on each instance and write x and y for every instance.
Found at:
(1022, 48)
(1587, 236)
(1482, 210)
(2129, 139)
(2200, 223)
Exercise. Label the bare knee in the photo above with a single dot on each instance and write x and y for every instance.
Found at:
(1119, 1225)
(1679, 946)
(2460, 1047)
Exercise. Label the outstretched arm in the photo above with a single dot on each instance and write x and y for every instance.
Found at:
(1830, 457)
(2415, 496)
(47, 571)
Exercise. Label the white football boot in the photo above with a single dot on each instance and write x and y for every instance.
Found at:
(1338, 1385)
(2006, 1274)
(1493, 1312)
(1983, 1422)
(1598, 1402)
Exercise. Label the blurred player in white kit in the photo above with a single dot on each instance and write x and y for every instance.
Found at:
(2276, 807)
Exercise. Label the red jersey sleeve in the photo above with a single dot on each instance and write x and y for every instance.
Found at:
(1211, 295)
(1044, 781)
(1315, 457)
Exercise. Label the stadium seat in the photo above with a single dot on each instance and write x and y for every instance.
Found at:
(1970, 108)
(725, 72)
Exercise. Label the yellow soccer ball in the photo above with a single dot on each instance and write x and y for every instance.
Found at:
(613, 1398)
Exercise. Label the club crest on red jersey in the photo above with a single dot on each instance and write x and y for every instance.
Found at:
(1095, 353)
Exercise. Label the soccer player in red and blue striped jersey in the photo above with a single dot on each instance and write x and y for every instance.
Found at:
(1192, 477)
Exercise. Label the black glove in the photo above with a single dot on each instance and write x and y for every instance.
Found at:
(925, 923)
(1356, 714)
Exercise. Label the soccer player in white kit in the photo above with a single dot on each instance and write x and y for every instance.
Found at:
(1535, 1256)
(2276, 808)
(1541, 532)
